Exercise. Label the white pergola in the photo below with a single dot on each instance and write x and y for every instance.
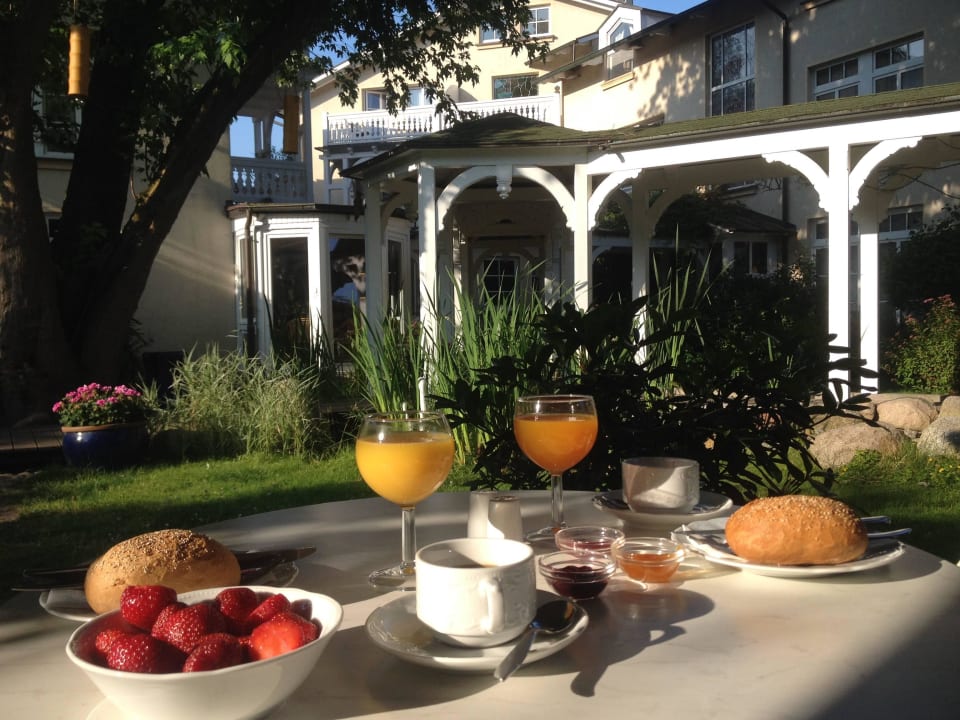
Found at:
(842, 148)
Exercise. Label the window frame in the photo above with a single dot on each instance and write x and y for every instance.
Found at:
(536, 20)
(745, 79)
(489, 35)
(42, 148)
(531, 77)
(870, 73)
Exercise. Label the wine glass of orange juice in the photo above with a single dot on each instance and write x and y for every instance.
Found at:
(555, 432)
(404, 457)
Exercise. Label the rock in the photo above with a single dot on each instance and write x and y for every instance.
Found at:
(942, 436)
(837, 446)
(907, 413)
(950, 407)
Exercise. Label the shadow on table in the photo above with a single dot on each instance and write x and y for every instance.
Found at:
(623, 622)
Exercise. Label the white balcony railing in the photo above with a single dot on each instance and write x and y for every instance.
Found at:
(261, 179)
(377, 126)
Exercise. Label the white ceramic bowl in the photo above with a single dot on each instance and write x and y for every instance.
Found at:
(242, 691)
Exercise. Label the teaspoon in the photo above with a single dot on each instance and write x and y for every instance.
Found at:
(552, 618)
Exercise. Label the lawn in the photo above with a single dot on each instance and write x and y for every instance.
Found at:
(58, 516)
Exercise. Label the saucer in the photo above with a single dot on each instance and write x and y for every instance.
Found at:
(707, 538)
(71, 603)
(711, 505)
(396, 628)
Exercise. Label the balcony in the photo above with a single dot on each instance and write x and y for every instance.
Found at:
(345, 133)
(267, 180)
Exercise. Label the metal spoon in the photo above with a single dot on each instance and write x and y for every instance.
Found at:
(552, 618)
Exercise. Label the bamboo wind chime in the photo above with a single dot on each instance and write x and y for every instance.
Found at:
(291, 124)
(78, 79)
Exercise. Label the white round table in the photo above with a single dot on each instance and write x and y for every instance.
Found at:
(718, 643)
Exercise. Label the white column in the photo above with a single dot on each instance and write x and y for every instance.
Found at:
(374, 261)
(582, 265)
(427, 195)
(836, 201)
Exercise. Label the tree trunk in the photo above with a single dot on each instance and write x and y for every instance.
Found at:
(34, 359)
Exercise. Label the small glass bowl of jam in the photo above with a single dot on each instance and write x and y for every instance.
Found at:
(587, 539)
(575, 575)
(648, 559)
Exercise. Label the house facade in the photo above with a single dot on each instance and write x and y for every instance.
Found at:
(822, 115)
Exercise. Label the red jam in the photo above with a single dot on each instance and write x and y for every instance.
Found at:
(577, 582)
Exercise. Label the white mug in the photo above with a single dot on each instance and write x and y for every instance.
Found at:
(495, 515)
(476, 592)
(660, 483)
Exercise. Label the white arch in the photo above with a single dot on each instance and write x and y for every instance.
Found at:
(808, 167)
(610, 183)
(873, 157)
(538, 175)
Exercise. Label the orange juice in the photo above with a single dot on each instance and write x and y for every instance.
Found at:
(405, 467)
(555, 442)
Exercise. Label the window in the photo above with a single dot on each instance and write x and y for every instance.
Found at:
(61, 124)
(750, 258)
(898, 66)
(417, 97)
(622, 31)
(619, 61)
(732, 81)
(374, 100)
(511, 86)
(902, 220)
(489, 35)
(500, 277)
(539, 21)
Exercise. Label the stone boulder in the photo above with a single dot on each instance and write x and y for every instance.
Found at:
(911, 414)
(836, 447)
(942, 436)
(950, 407)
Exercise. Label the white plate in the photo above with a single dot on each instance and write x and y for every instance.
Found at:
(396, 628)
(711, 505)
(711, 542)
(71, 603)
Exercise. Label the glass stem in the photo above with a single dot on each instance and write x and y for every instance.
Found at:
(409, 541)
(556, 493)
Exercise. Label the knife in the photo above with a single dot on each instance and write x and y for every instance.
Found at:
(251, 562)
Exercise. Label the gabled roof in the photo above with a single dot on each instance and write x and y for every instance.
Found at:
(494, 131)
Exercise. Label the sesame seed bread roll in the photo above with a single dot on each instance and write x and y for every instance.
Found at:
(180, 559)
(796, 530)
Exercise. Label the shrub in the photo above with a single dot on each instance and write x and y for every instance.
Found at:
(924, 355)
(229, 404)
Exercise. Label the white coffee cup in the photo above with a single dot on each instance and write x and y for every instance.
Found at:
(660, 483)
(476, 592)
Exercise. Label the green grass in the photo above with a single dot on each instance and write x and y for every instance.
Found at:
(65, 517)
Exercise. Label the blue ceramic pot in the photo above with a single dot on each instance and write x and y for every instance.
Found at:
(105, 446)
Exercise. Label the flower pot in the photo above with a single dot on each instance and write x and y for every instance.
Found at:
(105, 446)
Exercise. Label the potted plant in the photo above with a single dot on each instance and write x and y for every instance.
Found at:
(103, 425)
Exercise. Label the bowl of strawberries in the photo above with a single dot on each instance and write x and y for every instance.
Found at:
(219, 654)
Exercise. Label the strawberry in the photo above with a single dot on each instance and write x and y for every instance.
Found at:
(185, 628)
(163, 619)
(142, 653)
(141, 604)
(105, 639)
(282, 633)
(214, 651)
(236, 604)
(270, 606)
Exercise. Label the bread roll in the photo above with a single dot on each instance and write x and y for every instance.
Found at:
(796, 530)
(180, 559)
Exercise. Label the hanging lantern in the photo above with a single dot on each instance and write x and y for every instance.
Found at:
(78, 80)
(291, 124)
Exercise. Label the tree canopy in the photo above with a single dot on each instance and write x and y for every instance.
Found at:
(167, 79)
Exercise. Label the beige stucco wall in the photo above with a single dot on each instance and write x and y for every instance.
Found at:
(189, 298)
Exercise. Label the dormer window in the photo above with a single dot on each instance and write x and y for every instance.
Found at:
(622, 31)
